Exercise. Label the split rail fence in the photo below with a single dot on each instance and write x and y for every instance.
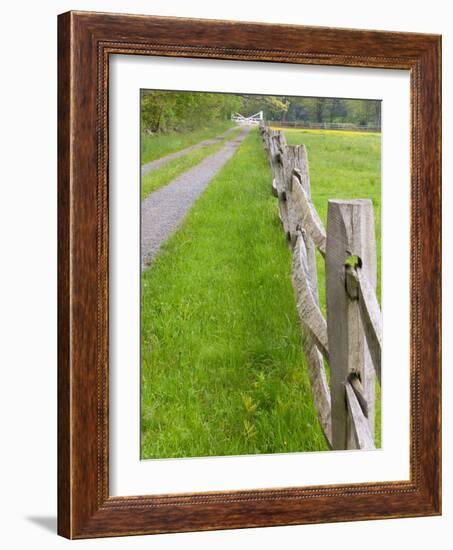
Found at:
(350, 339)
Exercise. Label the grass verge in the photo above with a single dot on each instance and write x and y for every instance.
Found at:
(157, 146)
(170, 170)
(222, 364)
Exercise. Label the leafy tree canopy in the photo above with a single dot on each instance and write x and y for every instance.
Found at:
(163, 111)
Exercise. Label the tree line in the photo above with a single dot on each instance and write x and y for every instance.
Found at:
(164, 111)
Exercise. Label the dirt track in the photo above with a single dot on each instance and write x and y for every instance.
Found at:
(149, 166)
(163, 211)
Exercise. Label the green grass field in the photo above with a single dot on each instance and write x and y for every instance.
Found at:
(170, 170)
(223, 371)
(157, 146)
(343, 165)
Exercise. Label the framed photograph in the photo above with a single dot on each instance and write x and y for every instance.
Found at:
(249, 275)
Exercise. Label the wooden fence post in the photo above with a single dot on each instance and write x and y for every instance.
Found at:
(279, 163)
(351, 340)
(350, 239)
(305, 282)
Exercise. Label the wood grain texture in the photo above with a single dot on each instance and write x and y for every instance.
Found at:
(315, 330)
(309, 218)
(360, 427)
(85, 42)
(279, 165)
(305, 284)
(64, 309)
(371, 316)
(350, 232)
(310, 314)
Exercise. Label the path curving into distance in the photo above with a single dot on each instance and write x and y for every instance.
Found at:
(163, 211)
(149, 166)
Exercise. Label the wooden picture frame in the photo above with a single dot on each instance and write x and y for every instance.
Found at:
(85, 42)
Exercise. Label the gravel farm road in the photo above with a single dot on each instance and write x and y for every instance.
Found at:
(163, 211)
(150, 166)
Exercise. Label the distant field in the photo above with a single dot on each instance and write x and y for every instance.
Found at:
(159, 145)
(325, 132)
(222, 365)
(170, 170)
(343, 165)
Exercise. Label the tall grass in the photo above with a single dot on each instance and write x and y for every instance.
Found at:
(156, 146)
(222, 364)
(170, 170)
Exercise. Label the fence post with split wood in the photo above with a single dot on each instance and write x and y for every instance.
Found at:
(350, 339)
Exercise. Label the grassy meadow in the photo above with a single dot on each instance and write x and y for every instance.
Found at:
(170, 170)
(223, 372)
(343, 165)
(158, 145)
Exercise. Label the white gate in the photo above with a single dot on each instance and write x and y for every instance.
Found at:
(252, 120)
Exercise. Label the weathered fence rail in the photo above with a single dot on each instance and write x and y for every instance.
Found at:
(350, 339)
